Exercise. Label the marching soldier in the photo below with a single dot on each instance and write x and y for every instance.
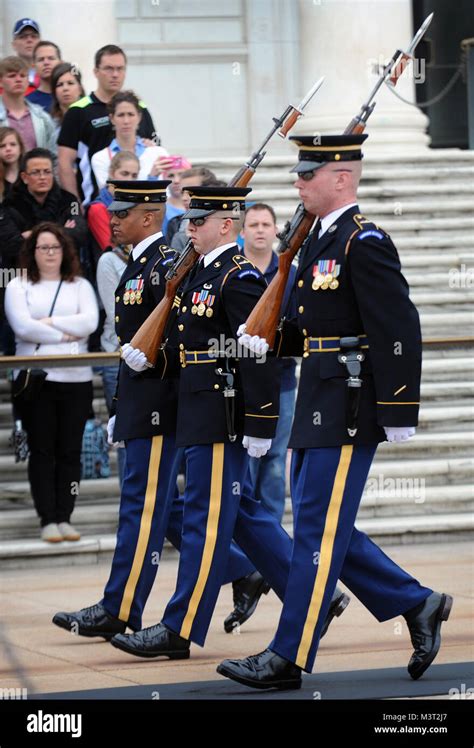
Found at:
(360, 338)
(227, 410)
(145, 419)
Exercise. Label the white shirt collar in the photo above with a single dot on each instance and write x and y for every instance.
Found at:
(214, 253)
(144, 244)
(332, 217)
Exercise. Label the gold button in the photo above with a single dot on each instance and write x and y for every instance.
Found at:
(117, 298)
(301, 309)
(184, 309)
(216, 386)
(119, 338)
(117, 318)
(306, 354)
(181, 346)
(305, 332)
(181, 328)
(300, 284)
(142, 259)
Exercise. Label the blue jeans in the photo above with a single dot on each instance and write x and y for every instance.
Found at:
(109, 380)
(267, 474)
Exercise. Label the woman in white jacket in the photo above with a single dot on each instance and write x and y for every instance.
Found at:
(55, 419)
(125, 115)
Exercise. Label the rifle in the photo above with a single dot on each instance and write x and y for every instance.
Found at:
(150, 335)
(265, 316)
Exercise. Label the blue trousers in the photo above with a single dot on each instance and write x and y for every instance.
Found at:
(268, 473)
(327, 485)
(150, 509)
(217, 506)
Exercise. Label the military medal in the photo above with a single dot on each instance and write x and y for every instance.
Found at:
(126, 297)
(132, 297)
(325, 275)
(202, 302)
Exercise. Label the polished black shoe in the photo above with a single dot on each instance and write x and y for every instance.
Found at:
(92, 621)
(424, 624)
(247, 593)
(154, 641)
(264, 670)
(339, 603)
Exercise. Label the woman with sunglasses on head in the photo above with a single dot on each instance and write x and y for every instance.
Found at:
(66, 88)
(52, 310)
(125, 115)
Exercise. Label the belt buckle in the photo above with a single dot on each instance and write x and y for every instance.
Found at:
(182, 358)
(306, 348)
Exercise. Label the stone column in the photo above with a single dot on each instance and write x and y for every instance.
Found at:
(342, 40)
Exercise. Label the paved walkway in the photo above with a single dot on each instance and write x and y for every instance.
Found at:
(56, 661)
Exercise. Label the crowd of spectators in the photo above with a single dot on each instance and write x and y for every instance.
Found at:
(59, 146)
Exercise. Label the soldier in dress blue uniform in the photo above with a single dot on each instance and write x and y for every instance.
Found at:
(145, 420)
(227, 410)
(360, 338)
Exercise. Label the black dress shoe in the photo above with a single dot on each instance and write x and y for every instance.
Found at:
(247, 593)
(424, 623)
(264, 670)
(339, 603)
(154, 641)
(92, 621)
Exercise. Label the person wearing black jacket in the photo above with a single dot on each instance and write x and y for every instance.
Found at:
(36, 197)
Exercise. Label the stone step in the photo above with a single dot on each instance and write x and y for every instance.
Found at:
(454, 443)
(393, 461)
(418, 208)
(382, 498)
(447, 259)
(371, 174)
(33, 553)
(380, 192)
(437, 159)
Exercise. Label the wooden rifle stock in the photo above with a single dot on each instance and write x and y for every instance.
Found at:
(149, 336)
(265, 316)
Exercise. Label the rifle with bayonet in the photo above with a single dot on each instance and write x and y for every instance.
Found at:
(150, 335)
(265, 316)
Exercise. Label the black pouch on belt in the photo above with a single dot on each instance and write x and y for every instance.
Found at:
(351, 356)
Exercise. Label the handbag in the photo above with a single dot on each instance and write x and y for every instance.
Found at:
(29, 382)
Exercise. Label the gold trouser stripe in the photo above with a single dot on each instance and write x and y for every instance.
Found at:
(379, 402)
(145, 527)
(217, 473)
(325, 558)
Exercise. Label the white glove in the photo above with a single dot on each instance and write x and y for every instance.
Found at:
(134, 358)
(252, 342)
(110, 433)
(255, 446)
(399, 433)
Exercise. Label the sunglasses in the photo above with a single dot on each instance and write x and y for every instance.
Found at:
(201, 221)
(124, 213)
(307, 176)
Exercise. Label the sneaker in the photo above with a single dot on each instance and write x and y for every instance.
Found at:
(68, 532)
(51, 533)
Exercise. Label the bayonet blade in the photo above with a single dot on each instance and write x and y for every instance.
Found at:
(419, 34)
(304, 102)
